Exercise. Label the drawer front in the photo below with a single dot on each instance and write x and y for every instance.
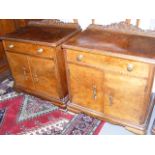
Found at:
(28, 48)
(108, 63)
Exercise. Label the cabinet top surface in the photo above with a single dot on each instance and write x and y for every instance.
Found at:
(94, 39)
(51, 36)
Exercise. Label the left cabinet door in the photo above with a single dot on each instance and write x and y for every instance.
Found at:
(44, 77)
(20, 70)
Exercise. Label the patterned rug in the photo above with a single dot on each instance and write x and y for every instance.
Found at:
(25, 114)
(6, 89)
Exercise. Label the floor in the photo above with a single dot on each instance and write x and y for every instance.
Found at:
(110, 129)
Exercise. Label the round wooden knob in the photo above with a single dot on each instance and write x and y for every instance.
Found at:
(79, 57)
(130, 67)
(11, 46)
(40, 50)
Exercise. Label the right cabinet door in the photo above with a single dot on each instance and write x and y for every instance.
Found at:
(125, 97)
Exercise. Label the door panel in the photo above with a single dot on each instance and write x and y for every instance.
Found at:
(43, 72)
(125, 97)
(86, 86)
(20, 70)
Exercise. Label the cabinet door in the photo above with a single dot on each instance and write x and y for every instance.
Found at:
(44, 77)
(86, 87)
(20, 70)
(125, 97)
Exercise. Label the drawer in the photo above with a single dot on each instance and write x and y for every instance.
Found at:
(108, 63)
(30, 49)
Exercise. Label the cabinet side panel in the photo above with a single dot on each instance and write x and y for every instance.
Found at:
(148, 93)
(61, 71)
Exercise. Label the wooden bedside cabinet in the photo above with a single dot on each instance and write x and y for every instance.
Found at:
(110, 73)
(36, 58)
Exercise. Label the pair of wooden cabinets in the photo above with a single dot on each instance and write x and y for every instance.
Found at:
(109, 74)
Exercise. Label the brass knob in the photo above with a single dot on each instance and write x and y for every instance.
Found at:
(130, 67)
(79, 57)
(11, 46)
(40, 50)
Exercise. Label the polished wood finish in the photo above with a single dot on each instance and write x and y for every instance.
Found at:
(51, 35)
(29, 48)
(21, 23)
(110, 74)
(110, 63)
(20, 70)
(7, 26)
(45, 79)
(87, 89)
(36, 59)
(125, 44)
